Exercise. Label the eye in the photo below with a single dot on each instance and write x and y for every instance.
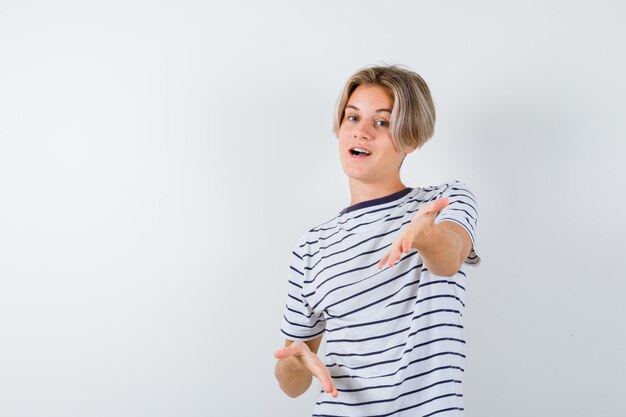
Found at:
(383, 123)
(351, 118)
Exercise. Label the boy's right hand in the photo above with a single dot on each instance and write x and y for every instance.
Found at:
(311, 362)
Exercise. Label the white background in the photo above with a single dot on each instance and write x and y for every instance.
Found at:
(158, 160)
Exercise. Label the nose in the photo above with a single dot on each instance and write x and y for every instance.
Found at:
(362, 131)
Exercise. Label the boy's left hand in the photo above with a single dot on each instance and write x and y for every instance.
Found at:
(420, 233)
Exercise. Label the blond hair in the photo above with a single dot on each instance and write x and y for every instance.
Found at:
(413, 115)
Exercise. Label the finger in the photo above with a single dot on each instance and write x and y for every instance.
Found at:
(397, 245)
(440, 203)
(283, 353)
(381, 263)
(433, 207)
(394, 254)
(321, 372)
(290, 350)
(437, 205)
(407, 242)
(326, 385)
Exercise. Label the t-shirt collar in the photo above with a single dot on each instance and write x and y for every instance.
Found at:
(376, 201)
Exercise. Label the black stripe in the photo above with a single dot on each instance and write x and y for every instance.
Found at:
(301, 337)
(451, 207)
(380, 336)
(432, 297)
(419, 345)
(329, 354)
(291, 267)
(443, 410)
(423, 285)
(293, 283)
(467, 201)
(295, 298)
(454, 205)
(471, 219)
(405, 408)
(329, 236)
(386, 400)
(315, 229)
(442, 281)
(351, 326)
(414, 361)
(299, 312)
(309, 243)
(440, 368)
(441, 310)
(401, 301)
(303, 325)
(366, 223)
(468, 195)
(423, 329)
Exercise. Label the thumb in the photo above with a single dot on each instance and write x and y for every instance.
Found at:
(288, 351)
(436, 205)
(283, 353)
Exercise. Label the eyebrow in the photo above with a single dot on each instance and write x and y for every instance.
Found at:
(377, 111)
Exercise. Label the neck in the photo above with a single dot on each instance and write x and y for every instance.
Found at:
(360, 191)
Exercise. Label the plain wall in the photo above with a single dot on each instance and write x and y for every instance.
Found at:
(158, 160)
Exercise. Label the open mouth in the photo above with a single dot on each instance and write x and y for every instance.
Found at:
(360, 152)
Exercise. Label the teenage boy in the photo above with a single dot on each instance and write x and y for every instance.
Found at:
(385, 279)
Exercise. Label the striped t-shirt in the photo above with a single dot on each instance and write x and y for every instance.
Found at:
(394, 336)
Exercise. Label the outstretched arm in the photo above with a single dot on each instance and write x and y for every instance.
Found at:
(443, 246)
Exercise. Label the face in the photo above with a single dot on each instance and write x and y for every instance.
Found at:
(366, 151)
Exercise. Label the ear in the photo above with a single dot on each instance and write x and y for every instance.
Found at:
(410, 149)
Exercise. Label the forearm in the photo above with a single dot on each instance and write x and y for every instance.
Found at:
(442, 252)
(292, 377)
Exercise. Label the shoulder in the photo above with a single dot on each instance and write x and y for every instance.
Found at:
(451, 185)
(451, 189)
(309, 241)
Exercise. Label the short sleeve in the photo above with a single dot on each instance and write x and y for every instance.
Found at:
(299, 321)
(462, 208)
